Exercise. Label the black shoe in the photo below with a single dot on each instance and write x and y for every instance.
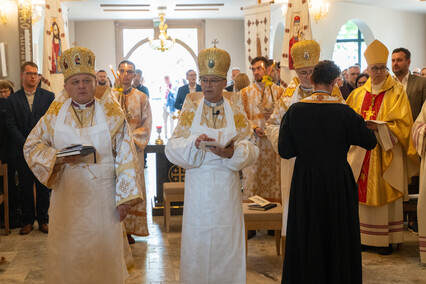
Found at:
(386, 250)
(130, 239)
(414, 228)
(365, 248)
(251, 234)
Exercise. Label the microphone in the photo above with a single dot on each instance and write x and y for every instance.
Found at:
(215, 112)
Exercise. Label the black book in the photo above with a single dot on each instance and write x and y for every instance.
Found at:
(262, 208)
(77, 149)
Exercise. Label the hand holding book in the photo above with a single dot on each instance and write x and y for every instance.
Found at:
(73, 153)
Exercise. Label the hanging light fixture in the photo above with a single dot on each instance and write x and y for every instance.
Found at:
(319, 8)
(163, 42)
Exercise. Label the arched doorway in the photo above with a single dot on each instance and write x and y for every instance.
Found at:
(156, 65)
(351, 42)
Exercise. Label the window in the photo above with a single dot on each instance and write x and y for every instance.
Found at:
(350, 46)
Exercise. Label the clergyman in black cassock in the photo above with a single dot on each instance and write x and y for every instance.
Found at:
(323, 237)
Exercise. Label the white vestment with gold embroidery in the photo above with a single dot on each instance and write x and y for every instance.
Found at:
(85, 243)
(262, 178)
(213, 241)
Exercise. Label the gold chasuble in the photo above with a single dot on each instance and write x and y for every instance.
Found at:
(137, 109)
(262, 178)
(387, 169)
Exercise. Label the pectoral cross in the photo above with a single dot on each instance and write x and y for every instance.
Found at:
(369, 113)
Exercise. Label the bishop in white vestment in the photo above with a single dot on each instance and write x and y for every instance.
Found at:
(213, 241)
(90, 197)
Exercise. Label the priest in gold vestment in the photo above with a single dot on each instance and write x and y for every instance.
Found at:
(213, 241)
(259, 99)
(90, 197)
(384, 172)
(137, 109)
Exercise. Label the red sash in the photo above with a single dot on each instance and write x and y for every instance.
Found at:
(371, 114)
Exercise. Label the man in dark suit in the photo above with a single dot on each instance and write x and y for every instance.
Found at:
(349, 85)
(191, 87)
(414, 86)
(235, 71)
(137, 82)
(24, 110)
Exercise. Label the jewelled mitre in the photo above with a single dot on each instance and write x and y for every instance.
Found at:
(305, 54)
(376, 53)
(77, 60)
(214, 61)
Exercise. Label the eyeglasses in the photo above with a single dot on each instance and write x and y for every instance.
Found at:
(376, 69)
(31, 74)
(211, 81)
(129, 72)
(305, 72)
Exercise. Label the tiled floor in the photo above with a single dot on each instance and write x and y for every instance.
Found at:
(157, 257)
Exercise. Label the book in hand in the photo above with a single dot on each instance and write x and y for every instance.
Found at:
(260, 204)
(206, 145)
(77, 149)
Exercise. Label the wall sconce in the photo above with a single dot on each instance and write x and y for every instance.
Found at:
(319, 8)
(3, 17)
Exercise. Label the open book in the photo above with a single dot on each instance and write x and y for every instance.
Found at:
(376, 121)
(260, 204)
(77, 149)
(206, 145)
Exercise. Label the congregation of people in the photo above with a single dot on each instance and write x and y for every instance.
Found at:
(339, 150)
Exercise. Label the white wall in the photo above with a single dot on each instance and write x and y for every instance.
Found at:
(392, 27)
(99, 37)
(230, 34)
(9, 35)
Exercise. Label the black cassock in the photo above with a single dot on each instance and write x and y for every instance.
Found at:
(323, 238)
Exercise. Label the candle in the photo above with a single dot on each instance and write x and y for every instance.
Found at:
(112, 70)
(270, 70)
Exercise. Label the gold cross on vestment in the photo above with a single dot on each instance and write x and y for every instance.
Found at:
(369, 113)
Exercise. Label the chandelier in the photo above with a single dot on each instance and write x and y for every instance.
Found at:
(163, 42)
(319, 8)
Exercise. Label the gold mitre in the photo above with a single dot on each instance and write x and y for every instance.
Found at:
(77, 60)
(214, 61)
(376, 53)
(305, 54)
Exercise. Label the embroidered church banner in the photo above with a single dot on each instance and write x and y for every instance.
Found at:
(54, 43)
(256, 27)
(297, 28)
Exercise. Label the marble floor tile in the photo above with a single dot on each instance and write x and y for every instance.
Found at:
(157, 257)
